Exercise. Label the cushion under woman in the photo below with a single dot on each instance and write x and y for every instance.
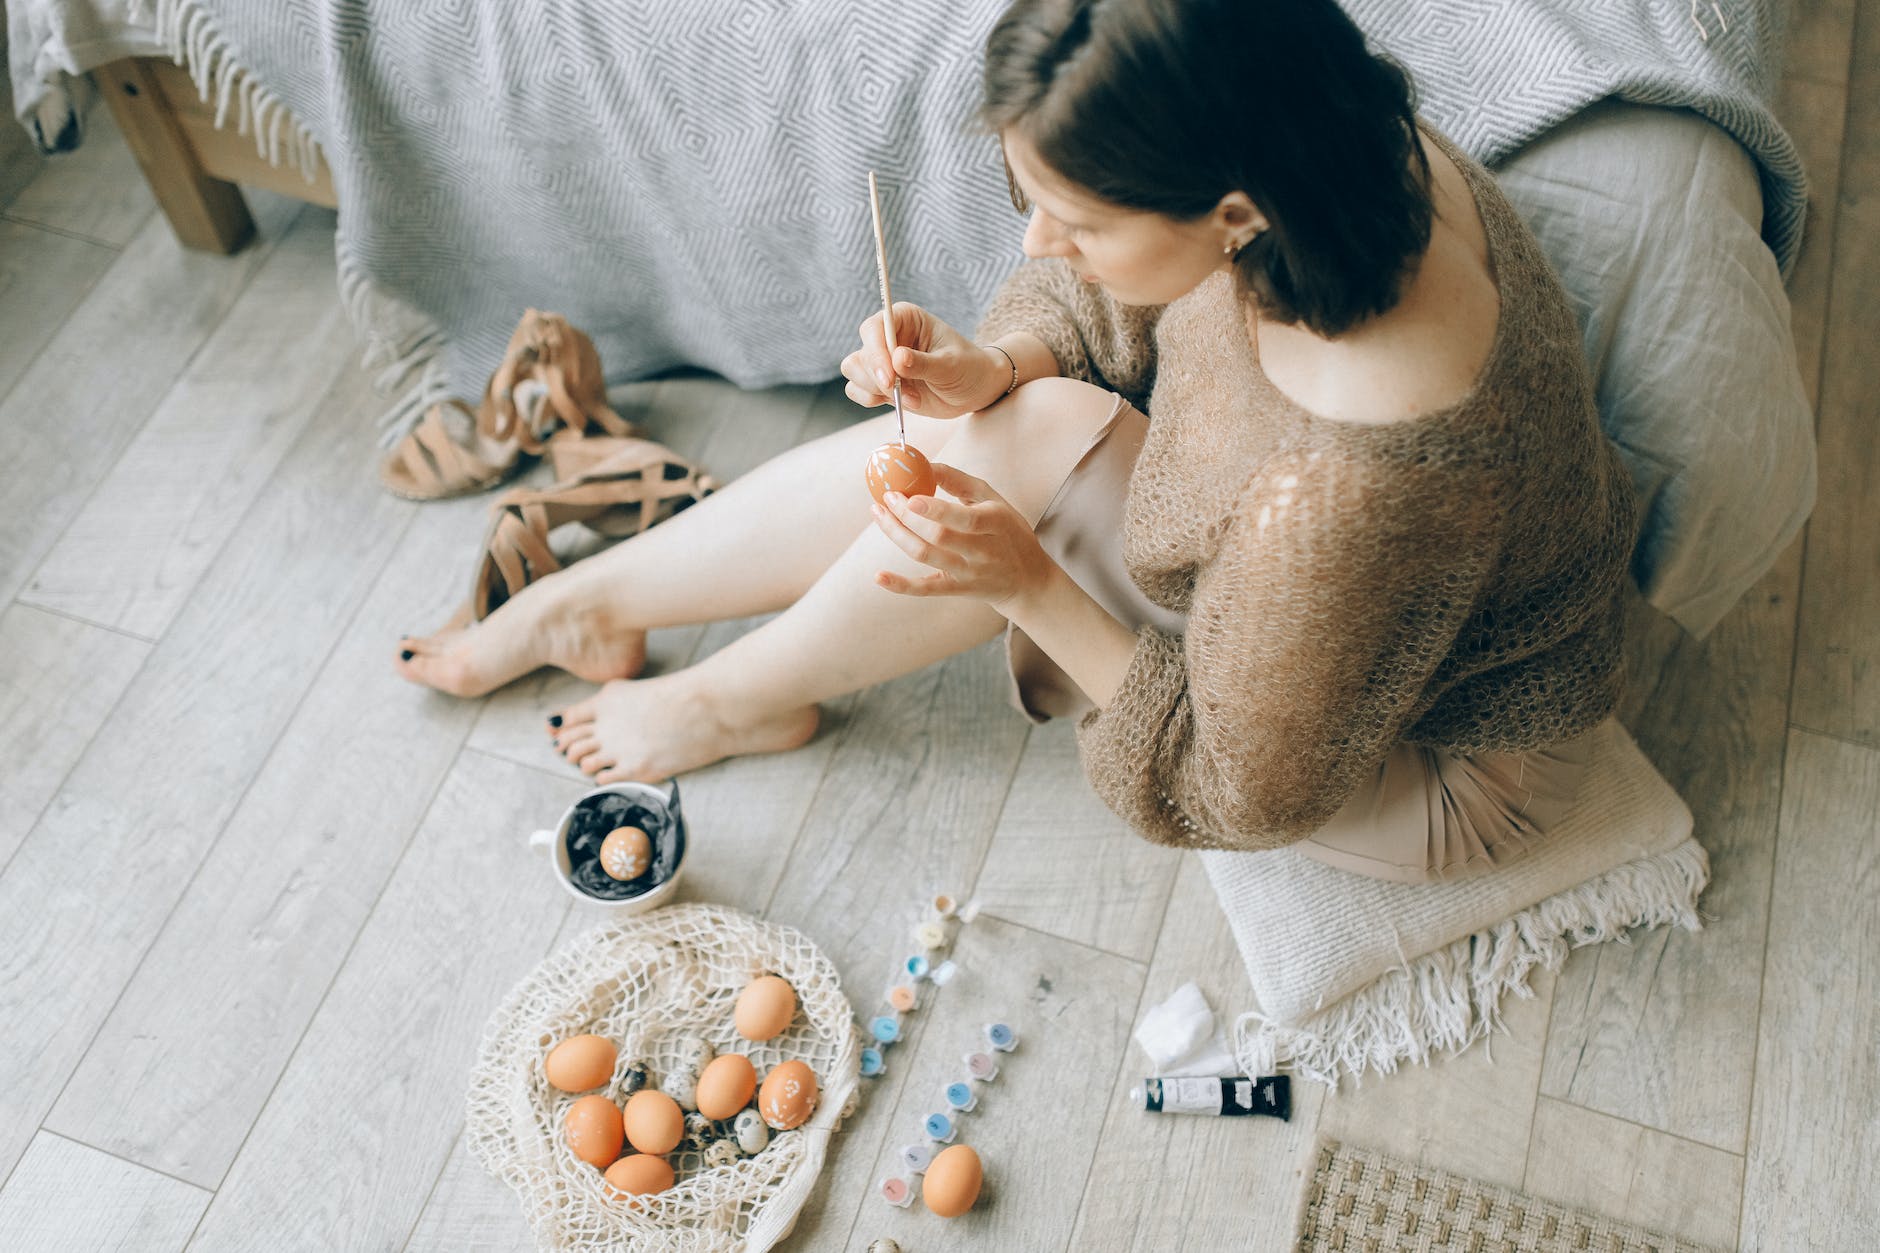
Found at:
(1354, 581)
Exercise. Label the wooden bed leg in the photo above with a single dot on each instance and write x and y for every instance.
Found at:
(206, 213)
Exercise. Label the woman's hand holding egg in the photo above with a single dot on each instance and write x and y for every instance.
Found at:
(943, 374)
(977, 544)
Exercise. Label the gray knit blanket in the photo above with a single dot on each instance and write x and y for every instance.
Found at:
(686, 179)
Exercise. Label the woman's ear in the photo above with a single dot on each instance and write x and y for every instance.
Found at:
(1239, 215)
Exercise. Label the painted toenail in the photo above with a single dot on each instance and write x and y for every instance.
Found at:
(554, 720)
(406, 654)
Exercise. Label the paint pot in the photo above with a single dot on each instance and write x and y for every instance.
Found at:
(982, 1066)
(894, 1191)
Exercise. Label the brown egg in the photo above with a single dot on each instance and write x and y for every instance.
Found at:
(788, 1096)
(764, 1008)
(580, 1062)
(639, 1173)
(593, 1127)
(953, 1179)
(654, 1122)
(626, 853)
(899, 468)
(726, 1086)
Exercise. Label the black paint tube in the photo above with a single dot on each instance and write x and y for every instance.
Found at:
(1226, 1097)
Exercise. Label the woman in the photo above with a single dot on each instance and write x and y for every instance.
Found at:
(1357, 585)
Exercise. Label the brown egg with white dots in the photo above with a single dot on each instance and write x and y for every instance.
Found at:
(788, 1096)
(626, 853)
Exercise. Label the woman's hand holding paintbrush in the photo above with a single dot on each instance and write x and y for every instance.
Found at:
(942, 373)
(911, 358)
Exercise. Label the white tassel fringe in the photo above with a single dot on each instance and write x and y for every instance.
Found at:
(1452, 997)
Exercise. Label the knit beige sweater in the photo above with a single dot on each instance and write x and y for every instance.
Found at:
(1453, 579)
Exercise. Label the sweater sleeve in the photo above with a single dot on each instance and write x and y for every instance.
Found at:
(1336, 591)
(1093, 337)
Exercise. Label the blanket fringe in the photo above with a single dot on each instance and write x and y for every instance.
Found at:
(1452, 997)
(189, 32)
(405, 346)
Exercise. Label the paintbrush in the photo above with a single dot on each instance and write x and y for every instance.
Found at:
(887, 301)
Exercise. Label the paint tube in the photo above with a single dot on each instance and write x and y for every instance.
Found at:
(1229, 1096)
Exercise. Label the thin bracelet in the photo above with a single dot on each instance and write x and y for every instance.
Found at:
(1013, 385)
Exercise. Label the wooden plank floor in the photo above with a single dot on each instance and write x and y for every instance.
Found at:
(257, 895)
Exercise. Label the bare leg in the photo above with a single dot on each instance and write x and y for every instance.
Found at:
(753, 547)
(759, 694)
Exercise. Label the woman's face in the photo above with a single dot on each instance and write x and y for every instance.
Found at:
(1140, 258)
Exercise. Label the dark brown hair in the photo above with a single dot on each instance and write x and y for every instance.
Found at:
(1168, 105)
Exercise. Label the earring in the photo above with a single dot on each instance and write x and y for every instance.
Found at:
(1233, 248)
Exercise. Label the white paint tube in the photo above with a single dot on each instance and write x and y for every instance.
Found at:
(1222, 1097)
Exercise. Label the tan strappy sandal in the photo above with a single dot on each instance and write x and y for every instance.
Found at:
(549, 386)
(447, 454)
(637, 484)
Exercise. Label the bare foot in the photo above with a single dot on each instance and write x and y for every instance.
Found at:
(543, 626)
(650, 729)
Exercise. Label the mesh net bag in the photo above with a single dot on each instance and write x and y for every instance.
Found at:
(644, 982)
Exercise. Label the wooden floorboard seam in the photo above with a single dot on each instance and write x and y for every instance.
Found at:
(1827, 241)
(1142, 997)
(208, 852)
(50, 229)
(1838, 738)
(77, 758)
(443, 1168)
(128, 1161)
(1065, 939)
(338, 968)
(1534, 1106)
(106, 469)
(69, 616)
(796, 836)
(417, 1219)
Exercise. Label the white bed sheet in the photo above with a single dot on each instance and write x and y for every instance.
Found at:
(50, 38)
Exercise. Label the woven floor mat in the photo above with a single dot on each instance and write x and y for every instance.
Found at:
(1361, 1201)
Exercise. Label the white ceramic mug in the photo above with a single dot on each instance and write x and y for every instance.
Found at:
(664, 804)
